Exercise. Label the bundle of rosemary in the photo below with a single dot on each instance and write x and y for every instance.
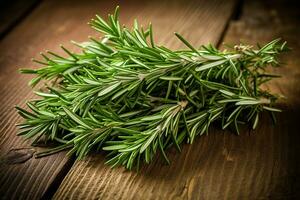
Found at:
(125, 95)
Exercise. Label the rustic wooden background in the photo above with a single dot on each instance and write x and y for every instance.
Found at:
(261, 164)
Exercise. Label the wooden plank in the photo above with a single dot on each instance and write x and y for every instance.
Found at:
(31, 178)
(267, 165)
(22, 176)
(13, 12)
(200, 22)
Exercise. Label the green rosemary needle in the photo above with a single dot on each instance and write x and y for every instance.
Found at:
(128, 96)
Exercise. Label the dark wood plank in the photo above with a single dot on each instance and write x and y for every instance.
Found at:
(13, 12)
(200, 22)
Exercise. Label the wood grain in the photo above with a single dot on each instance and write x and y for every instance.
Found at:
(200, 22)
(23, 177)
(273, 164)
(261, 164)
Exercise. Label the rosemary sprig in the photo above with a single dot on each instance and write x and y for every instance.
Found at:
(132, 98)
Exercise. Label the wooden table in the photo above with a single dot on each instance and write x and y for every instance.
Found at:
(261, 164)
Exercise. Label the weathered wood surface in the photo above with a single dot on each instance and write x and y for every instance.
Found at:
(267, 164)
(261, 164)
(22, 176)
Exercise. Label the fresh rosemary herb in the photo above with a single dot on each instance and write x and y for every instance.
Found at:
(128, 96)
